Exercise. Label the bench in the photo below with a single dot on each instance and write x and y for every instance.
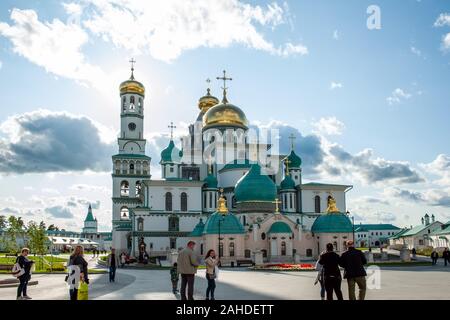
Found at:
(244, 262)
(11, 255)
(6, 267)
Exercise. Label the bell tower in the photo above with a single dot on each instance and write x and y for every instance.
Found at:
(131, 166)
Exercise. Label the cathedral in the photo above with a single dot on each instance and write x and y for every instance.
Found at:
(255, 203)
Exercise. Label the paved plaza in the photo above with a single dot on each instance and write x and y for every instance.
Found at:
(426, 282)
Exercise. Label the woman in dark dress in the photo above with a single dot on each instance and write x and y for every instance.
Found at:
(25, 264)
(77, 259)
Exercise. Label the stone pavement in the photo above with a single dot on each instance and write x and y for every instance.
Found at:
(240, 283)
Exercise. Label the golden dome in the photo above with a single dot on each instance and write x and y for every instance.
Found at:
(207, 101)
(225, 115)
(132, 86)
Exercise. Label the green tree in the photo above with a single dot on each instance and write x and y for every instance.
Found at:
(3, 222)
(12, 232)
(37, 237)
(52, 227)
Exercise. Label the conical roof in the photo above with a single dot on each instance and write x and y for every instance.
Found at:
(255, 187)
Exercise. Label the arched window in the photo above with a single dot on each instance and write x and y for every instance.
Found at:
(283, 248)
(244, 220)
(204, 200)
(138, 188)
(168, 201)
(335, 246)
(247, 253)
(263, 236)
(124, 104)
(317, 204)
(210, 200)
(174, 224)
(131, 168)
(124, 189)
(290, 200)
(231, 248)
(233, 202)
(140, 224)
(124, 213)
(184, 204)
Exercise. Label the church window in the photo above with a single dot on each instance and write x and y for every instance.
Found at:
(204, 200)
(220, 249)
(124, 213)
(124, 103)
(201, 249)
(140, 224)
(335, 246)
(124, 189)
(264, 252)
(184, 204)
(317, 204)
(132, 126)
(247, 253)
(290, 200)
(173, 243)
(231, 248)
(168, 201)
(296, 177)
(283, 248)
(210, 200)
(131, 168)
(244, 220)
(174, 224)
(263, 236)
(171, 169)
(138, 188)
(233, 202)
(215, 197)
(309, 252)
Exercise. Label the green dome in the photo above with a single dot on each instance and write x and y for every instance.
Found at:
(287, 183)
(171, 154)
(332, 223)
(198, 230)
(229, 224)
(279, 227)
(295, 160)
(210, 181)
(255, 187)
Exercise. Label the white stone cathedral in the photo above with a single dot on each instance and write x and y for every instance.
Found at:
(238, 208)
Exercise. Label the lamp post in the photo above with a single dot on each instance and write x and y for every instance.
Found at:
(222, 210)
(353, 226)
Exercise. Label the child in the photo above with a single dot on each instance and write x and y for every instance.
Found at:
(320, 279)
(174, 278)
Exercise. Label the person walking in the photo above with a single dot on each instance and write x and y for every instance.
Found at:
(25, 264)
(320, 279)
(113, 263)
(446, 256)
(434, 257)
(174, 278)
(211, 264)
(353, 261)
(414, 252)
(332, 274)
(77, 260)
(123, 260)
(187, 266)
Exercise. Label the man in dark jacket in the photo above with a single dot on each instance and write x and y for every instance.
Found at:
(434, 257)
(331, 272)
(353, 262)
(446, 256)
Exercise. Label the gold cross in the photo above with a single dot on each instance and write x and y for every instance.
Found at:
(171, 127)
(277, 202)
(224, 78)
(132, 61)
(292, 138)
(286, 162)
(208, 81)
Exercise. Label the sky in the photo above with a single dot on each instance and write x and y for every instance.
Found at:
(363, 85)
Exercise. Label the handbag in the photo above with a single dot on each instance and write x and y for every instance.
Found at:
(216, 272)
(17, 270)
(83, 291)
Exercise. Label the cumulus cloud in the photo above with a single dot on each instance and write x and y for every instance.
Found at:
(55, 46)
(9, 210)
(90, 188)
(445, 42)
(329, 126)
(335, 85)
(44, 141)
(165, 29)
(60, 212)
(439, 167)
(442, 20)
(363, 167)
(404, 194)
(432, 197)
(398, 96)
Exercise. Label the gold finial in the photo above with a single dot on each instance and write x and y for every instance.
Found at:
(208, 90)
(286, 162)
(292, 138)
(224, 78)
(332, 208)
(171, 127)
(222, 204)
(132, 61)
(277, 202)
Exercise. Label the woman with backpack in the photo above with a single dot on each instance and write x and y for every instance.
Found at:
(22, 270)
(77, 259)
(211, 274)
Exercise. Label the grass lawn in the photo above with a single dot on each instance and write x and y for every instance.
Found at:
(400, 264)
(37, 259)
(90, 271)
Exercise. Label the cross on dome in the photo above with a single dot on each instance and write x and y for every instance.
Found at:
(224, 78)
(292, 137)
(132, 61)
(171, 127)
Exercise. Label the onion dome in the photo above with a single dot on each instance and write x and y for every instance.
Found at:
(229, 224)
(132, 86)
(255, 187)
(287, 183)
(171, 154)
(210, 181)
(294, 160)
(198, 230)
(279, 227)
(332, 223)
(207, 101)
(225, 115)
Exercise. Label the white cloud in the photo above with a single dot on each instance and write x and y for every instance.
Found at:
(416, 51)
(73, 8)
(439, 167)
(55, 46)
(442, 20)
(335, 85)
(166, 29)
(1, 64)
(329, 126)
(335, 35)
(446, 42)
(397, 96)
(90, 188)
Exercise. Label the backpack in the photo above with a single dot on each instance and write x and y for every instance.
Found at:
(17, 270)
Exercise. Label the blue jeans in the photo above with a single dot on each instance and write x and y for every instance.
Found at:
(22, 288)
(322, 289)
(211, 286)
(112, 274)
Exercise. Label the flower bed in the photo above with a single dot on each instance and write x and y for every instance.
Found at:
(285, 267)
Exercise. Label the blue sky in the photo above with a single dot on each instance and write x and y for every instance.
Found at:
(369, 107)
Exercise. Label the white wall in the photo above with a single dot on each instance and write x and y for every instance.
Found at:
(309, 195)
